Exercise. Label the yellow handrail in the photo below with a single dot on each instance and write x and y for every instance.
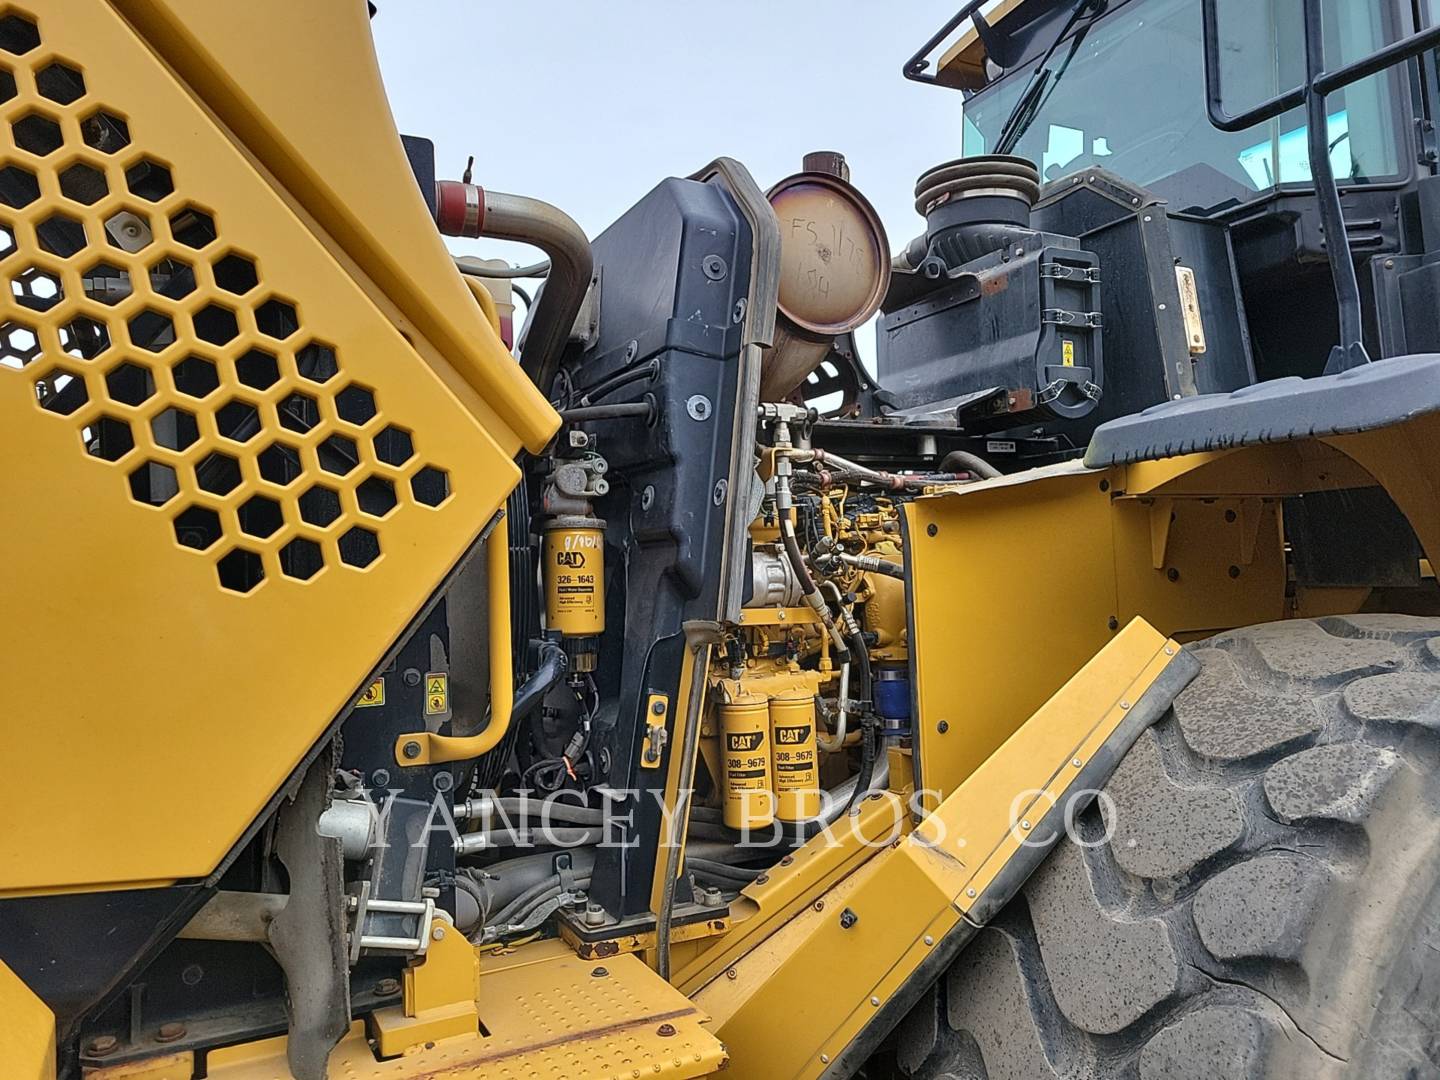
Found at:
(427, 748)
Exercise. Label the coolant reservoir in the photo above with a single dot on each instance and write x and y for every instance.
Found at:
(834, 269)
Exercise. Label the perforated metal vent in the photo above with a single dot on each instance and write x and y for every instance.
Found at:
(159, 342)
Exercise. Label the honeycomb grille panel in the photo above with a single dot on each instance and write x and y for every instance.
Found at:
(136, 323)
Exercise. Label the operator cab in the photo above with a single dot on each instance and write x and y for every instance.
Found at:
(1125, 91)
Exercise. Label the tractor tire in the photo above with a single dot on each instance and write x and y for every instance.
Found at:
(1267, 903)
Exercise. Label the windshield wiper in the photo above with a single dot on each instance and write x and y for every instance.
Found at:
(1028, 106)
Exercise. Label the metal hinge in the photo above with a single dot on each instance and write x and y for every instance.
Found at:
(1425, 139)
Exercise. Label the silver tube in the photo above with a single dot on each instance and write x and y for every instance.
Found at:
(834, 803)
(530, 221)
(544, 809)
(476, 842)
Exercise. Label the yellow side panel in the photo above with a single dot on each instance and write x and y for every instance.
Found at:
(1017, 582)
(300, 83)
(230, 481)
(1013, 591)
(27, 1033)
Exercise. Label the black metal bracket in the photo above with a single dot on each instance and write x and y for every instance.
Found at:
(1319, 84)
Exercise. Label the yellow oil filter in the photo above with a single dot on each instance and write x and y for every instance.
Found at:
(797, 767)
(746, 781)
(575, 576)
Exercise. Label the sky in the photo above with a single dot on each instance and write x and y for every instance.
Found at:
(589, 104)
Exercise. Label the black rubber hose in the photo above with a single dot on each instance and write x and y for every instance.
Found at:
(721, 871)
(648, 370)
(607, 412)
(868, 754)
(963, 459)
(860, 660)
(553, 664)
(807, 583)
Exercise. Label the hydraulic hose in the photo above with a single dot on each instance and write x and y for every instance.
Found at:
(873, 564)
(963, 459)
(808, 589)
(499, 883)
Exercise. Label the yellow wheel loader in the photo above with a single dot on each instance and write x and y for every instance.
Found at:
(663, 692)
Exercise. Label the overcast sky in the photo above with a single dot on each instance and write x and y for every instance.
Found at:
(588, 104)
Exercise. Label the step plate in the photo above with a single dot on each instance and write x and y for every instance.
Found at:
(548, 1017)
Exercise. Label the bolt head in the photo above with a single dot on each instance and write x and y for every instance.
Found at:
(875, 1001)
(658, 708)
(438, 934)
(411, 750)
(599, 972)
(929, 940)
(1076, 762)
(170, 1032)
(103, 1044)
(386, 987)
(970, 893)
(1024, 824)
(665, 1030)
(943, 726)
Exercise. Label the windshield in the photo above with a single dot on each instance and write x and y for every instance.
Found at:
(1127, 93)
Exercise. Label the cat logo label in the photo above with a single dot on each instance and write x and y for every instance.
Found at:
(574, 560)
(744, 742)
(437, 693)
(792, 736)
(374, 695)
